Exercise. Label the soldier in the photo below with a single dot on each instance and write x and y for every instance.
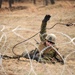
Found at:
(47, 40)
(46, 49)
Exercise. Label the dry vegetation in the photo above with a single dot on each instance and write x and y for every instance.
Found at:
(29, 16)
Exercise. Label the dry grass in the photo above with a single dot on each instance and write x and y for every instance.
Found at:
(29, 16)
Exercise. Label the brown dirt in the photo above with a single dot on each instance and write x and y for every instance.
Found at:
(29, 16)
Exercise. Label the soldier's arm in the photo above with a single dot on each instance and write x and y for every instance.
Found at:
(43, 27)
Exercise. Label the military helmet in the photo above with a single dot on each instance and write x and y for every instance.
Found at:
(51, 38)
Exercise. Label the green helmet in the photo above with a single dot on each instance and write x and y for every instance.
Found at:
(51, 38)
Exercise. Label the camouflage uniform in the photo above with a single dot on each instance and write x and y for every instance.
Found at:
(49, 53)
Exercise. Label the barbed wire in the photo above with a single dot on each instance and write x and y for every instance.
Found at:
(70, 24)
(32, 68)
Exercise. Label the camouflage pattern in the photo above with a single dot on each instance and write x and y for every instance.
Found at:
(50, 52)
(43, 31)
(43, 28)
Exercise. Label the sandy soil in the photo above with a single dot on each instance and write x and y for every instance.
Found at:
(28, 17)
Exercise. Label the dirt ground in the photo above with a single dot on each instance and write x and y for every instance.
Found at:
(23, 21)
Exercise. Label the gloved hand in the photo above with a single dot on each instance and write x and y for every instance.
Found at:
(46, 18)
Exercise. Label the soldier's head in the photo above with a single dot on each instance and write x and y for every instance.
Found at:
(51, 38)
